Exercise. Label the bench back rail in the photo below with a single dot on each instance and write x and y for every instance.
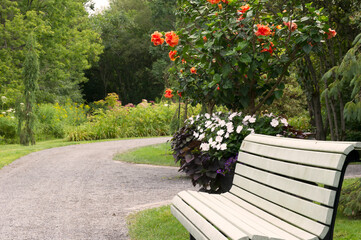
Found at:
(296, 180)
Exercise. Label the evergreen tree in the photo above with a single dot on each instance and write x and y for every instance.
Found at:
(31, 75)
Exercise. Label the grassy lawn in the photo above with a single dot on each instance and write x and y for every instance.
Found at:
(159, 154)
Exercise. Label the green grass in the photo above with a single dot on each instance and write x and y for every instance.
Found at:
(156, 224)
(159, 154)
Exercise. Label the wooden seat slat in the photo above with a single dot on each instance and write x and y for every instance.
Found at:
(249, 218)
(306, 173)
(269, 218)
(298, 220)
(226, 227)
(308, 191)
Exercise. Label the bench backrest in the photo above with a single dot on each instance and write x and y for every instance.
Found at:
(298, 181)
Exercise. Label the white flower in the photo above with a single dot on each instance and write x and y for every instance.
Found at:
(252, 119)
(274, 122)
(3, 113)
(239, 128)
(208, 123)
(232, 116)
(205, 147)
(222, 123)
(10, 110)
(164, 105)
(207, 115)
(12, 117)
(284, 121)
(21, 104)
(197, 117)
(218, 146)
(227, 135)
(195, 134)
(239, 114)
(220, 132)
(223, 146)
(201, 137)
(230, 128)
(219, 139)
(212, 129)
(201, 130)
(251, 130)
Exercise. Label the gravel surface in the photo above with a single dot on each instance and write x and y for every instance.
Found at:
(79, 192)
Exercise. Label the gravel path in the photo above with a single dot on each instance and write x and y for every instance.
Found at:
(79, 192)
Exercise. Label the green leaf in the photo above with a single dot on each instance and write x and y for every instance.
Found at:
(307, 48)
(278, 94)
(245, 58)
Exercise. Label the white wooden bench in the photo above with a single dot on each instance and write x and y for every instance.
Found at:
(283, 188)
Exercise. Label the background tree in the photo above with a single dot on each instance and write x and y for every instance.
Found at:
(129, 66)
(30, 77)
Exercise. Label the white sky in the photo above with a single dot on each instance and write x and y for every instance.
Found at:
(100, 4)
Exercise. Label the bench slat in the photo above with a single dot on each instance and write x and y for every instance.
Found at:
(222, 224)
(311, 192)
(312, 174)
(231, 209)
(268, 217)
(189, 225)
(320, 146)
(324, 160)
(222, 211)
(298, 220)
(301, 206)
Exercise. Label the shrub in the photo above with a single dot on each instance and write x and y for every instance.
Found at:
(8, 128)
(350, 200)
(207, 147)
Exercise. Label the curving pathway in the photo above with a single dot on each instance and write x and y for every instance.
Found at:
(79, 192)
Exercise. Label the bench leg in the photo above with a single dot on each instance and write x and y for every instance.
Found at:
(191, 237)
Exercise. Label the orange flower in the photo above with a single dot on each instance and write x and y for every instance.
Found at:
(205, 38)
(279, 26)
(157, 38)
(291, 26)
(214, 1)
(183, 61)
(263, 30)
(270, 50)
(244, 8)
(193, 70)
(225, 1)
(168, 93)
(172, 55)
(171, 38)
(220, 6)
(331, 33)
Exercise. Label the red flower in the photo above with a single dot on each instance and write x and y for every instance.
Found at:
(225, 1)
(214, 1)
(205, 38)
(157, 38)
(193, 70)
(263, 30)
(240, 18)
(331, 33)
(168, 93)
(244, 8)
(270, 50)
(183, 61)
(171, 38)
(179, 94)
(218, 88)
(172, 55)
(291, 26)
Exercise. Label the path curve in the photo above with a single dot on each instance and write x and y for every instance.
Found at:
(79, 192)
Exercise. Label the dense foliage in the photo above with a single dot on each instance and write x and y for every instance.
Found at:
(350, 200)
(207, 147)
(66, 45)
(238, 53)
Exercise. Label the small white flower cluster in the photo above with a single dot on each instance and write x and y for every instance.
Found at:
(214, 131)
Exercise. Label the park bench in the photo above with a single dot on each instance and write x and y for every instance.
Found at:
(283, 188)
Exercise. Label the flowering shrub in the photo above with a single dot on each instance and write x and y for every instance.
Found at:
(207, 147)
(238, 53)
